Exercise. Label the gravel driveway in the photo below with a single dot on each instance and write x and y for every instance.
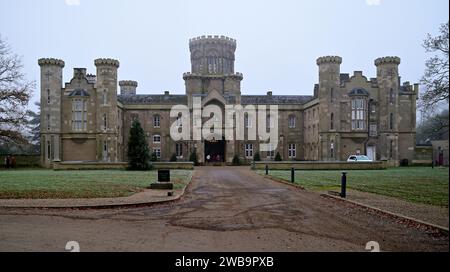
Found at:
(224, 209)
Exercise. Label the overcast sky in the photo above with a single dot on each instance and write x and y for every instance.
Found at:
(278, 42)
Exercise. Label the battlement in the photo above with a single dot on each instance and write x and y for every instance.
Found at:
(128, 83)
(198, 75)
(51, 61)
(212, 39)
(387, 60)
(329, 59)
(107, 61)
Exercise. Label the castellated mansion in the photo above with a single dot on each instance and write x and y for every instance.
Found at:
(88, 119)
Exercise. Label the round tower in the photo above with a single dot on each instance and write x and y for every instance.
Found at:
(106, 116)
(329, 67)
(212, 55)
(329, 83)
(51, 91)
(388, 86)
(128, 87)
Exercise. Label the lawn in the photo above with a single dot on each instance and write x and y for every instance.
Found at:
(414, 184)
(80, 184)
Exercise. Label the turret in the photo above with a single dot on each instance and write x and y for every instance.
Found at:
(329, 71)
(212, 55)
(51, 91)
(328, 88)
(388, 84)
(128, 87)
(212, 67)
(107, 109)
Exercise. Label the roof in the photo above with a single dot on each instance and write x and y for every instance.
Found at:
(276, 99)
(152, 99)
(358, 91)
(182, 99)
(79, 92)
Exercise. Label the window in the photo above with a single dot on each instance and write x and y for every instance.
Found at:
(105, 97)
(373, 130)
(269, 122)
(48, 96)
(213, 64)
(332, 149)
(156, 121)
(391, 96)
(48, 121)
(358, 114)
(249, 150)
(105, 122)
(271, 152)
(105, 151)
(332, 121)
(48, 150)
(332, 95)
(157, 152)
(179, 150)
(156, 139)
(292, 151)
(291, 121)
(391, 121)
(79, 115)
(247, 121)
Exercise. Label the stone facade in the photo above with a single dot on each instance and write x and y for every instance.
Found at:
(86, 120)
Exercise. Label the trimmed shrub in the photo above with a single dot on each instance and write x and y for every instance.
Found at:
(173, 158)
(193, 157)
(278, 157)
(257, 157)
(236, 161)
(153, 157)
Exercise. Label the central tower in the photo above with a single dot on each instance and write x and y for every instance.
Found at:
(212, 69)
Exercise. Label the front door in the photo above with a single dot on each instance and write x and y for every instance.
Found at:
(215, 151)
(371, 152)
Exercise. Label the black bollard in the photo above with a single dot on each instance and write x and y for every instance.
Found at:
(267, 169)
(292, 175)
(344, 184)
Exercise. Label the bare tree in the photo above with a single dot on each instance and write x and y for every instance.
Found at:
(15, 93)
(432, 128)
(436, 74)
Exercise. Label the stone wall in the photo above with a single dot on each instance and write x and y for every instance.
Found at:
(287, 165)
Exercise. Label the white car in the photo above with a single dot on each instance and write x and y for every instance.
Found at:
(358, 158)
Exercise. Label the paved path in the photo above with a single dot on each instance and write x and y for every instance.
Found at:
(224, 209)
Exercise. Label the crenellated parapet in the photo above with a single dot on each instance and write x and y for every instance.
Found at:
(189, 75)
(51, 61)
(329, 59)
(387, 60)
(130, 83)
(210, 39)
(107, 62)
